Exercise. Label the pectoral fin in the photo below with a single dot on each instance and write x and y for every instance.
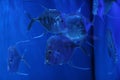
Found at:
(84, 50)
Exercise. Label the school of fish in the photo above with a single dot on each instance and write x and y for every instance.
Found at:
(68, 32)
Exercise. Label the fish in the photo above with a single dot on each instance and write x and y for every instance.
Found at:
(59, 51)
(102, 8)
(78, 28)
(51, 20)
(75, 27)
(14, 59)
(111, 47)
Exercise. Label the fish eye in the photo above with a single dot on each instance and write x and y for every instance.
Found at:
(62, 21)
(49, 51)
(10, 60)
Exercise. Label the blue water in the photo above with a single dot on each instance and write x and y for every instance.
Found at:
(13, 28)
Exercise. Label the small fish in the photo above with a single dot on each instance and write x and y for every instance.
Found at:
(59, 50)
(51, 19)
(111, 46)
(14, 60)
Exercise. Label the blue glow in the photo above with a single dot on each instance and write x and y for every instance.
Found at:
(13, 28)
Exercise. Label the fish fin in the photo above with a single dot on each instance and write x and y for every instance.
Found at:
(23, 59)
(26, 41)
(108, 7)
(36, 37)
(111, 46)
(84, 50)
(79, 10)
(26, 63)
(31, 22)
(19, 73)
(45, 8)
(80, 68)
(28, 15)
(89, 44)
(19, 42)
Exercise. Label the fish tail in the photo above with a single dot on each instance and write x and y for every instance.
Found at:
(31, 22)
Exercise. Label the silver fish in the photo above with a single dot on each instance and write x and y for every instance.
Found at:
(75, 27)
(51, 19)
(111, 46)
(14, 60)
(59, 51)
(78, 28)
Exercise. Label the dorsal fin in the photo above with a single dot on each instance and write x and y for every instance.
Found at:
(79, 10)
(45, 8)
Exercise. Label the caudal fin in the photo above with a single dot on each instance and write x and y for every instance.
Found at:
(30, 24)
